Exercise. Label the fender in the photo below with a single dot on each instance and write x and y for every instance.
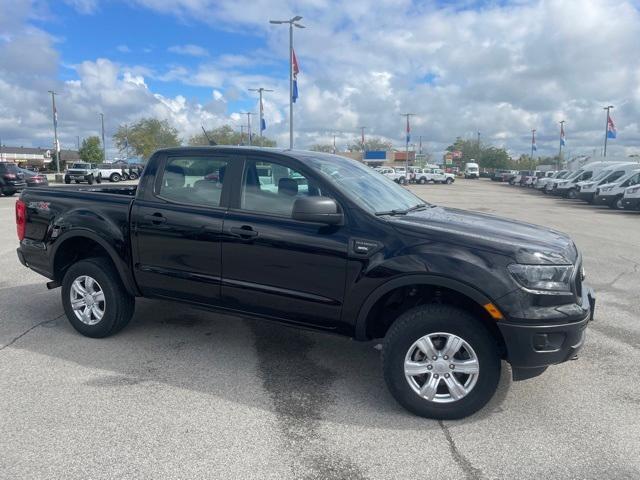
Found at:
(122, 268)
(414, 279)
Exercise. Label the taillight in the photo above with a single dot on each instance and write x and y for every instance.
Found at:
(9, 176)
(21, 218)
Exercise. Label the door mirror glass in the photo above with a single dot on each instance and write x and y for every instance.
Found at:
(317, 210)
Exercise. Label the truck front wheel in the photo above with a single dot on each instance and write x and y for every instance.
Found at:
(439, 362)
(94, 299)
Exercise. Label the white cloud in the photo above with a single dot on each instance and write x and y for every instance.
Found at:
(85, 7)
(123, 48)
(189, 49)
(503, 70)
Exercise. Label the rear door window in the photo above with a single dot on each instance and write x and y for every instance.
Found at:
(193, 180)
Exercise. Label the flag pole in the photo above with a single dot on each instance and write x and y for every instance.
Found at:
(533, 142)
(55, 129)
(606, 129)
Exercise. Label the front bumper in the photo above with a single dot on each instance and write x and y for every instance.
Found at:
(586, 196)
(13, 186)
(603, 199)
(631, 203)
(539, 345)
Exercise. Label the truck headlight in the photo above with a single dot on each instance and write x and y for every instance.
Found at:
(633, 190)
(554, 278)
(606, 189)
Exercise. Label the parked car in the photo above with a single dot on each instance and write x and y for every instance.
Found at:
(328, 244)
(83, 172)
(11, 179)
(498, 175)
(631, 198)
(398, 176)
(110, 172)
(34, 179)
(437, 175)
(611, 194)
(520, 178)
(610, 174)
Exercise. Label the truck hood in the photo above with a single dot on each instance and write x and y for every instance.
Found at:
(524, 242)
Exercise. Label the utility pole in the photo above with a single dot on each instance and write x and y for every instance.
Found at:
(606, 129)
(56, 147)
(420, 143)
(262, 124)
(292, 22)
(408, 139)
(78, 141)
(248, 114)
(334, 143)
(562, 122)
(104, 146)
(241, 134)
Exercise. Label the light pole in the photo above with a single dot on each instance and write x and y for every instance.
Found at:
(248, 114)
(606, 129)
(104, 147)
(334, 143)
(292, 22)
(362, 129)
(408, 139)
(562, 122)
(55, 129)
(260, 90)
(533, 146)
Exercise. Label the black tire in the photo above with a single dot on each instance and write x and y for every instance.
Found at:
(90, 179)
(449, 181)
(133, 176)
(8, 193)
(119, 305)
(77, 181)
(67, 180)
(422, 181)
(617, 204)
(572, 194)
(114, 178)
(429, 319)
(99, 179)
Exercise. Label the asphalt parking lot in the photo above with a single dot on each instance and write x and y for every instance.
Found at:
(182, 393)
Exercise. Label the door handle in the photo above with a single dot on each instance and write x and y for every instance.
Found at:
(244, 232)
(156, 218)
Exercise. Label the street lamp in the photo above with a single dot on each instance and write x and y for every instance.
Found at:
(292, 22)
(104, 147)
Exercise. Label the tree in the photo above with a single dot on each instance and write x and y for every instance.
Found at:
(91, 150)
(226, 135)
(371, 143)
(327, 148)
(146, 136)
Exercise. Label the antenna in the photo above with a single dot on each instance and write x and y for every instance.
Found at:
(211, 142)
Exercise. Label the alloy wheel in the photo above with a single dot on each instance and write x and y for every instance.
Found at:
(87, 300)
(441, 367)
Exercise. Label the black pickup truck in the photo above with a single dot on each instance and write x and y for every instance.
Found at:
(323, 242)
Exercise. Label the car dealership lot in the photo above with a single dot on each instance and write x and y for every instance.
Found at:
(182, 393)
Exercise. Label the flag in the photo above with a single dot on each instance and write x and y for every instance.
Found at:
(562, 140)
(263, 124)
(296, 70)
(408, 131)
(611, 127)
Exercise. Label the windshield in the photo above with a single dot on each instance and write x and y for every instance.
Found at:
(80, 165)
(602, 174)
(574, 174)
(373, 191)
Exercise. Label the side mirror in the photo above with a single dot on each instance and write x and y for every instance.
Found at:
(317, 210)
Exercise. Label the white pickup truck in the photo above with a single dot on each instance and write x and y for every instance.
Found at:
(398, 175)
(113, 173)
(435, 175)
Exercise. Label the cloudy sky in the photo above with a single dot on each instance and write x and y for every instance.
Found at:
(498, 67)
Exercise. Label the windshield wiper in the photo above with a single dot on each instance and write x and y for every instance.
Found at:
(397, 211)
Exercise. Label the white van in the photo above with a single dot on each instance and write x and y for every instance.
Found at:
(631, 198)
(542, 182)
(471, 170)
(568, 188)
(611, 194)
(610, 174)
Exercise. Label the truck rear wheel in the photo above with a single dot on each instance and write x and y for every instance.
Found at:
(90, 179)
(114, 178)
(439, 362)
(94, 299)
